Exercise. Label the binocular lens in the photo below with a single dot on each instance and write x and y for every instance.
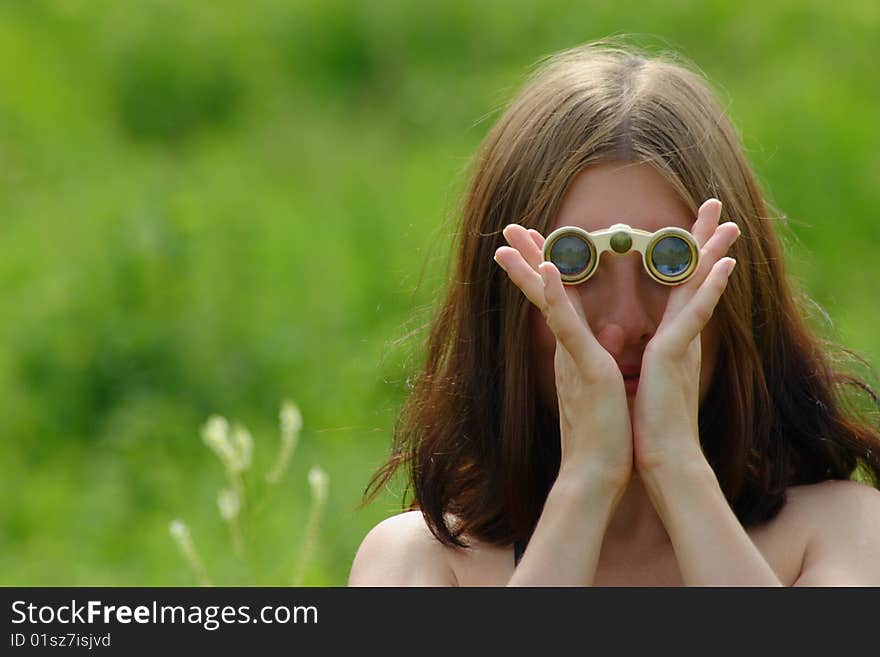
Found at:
(571, 255)
(671, 256)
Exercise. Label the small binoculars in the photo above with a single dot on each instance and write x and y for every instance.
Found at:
(669, 255)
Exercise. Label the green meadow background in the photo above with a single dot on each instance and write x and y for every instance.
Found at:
(207, 207)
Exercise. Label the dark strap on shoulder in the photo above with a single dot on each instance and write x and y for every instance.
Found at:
(518, 549)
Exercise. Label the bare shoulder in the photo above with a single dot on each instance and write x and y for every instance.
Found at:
(842, 519)
(840, 500)
(401, 551)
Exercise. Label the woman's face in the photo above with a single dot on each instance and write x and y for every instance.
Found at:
(621, 302)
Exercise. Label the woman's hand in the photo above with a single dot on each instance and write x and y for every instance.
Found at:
(594, 419)
(665, 430)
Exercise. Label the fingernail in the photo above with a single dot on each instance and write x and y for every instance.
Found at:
(730, 265)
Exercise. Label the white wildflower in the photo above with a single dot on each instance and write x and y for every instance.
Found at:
(319, 481)
(291, 424)
(291, 418)
(215, 434)
(243, 448)
(179, 532)
(182, 537)
(229, 504)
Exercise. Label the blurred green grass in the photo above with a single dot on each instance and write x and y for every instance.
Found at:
(207, 207)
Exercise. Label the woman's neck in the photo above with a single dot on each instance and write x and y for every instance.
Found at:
(635, 522)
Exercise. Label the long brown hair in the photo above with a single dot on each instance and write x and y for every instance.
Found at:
(473, 434)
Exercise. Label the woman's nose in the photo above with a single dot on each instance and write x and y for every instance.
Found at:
(619, 302)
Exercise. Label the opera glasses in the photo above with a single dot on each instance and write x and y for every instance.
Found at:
(669, 255)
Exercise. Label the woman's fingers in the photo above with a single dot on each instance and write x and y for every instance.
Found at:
(521, 259)
(716, 247)
(692, 319)
(522, 274)
(542, 284)
(713, 249)
(537, 238)
(524, 242)
(707, 221)
(690, 306)
(565, 318)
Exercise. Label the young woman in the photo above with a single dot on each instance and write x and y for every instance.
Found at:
(661, 422)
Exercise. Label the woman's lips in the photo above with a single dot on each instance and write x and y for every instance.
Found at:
(630, 372)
